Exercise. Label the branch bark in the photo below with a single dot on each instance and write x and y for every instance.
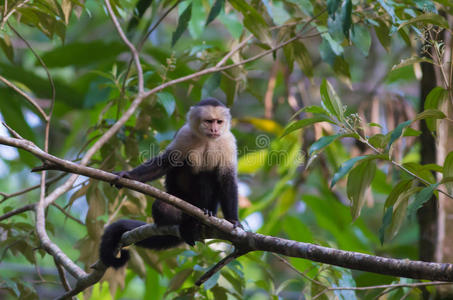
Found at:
(248, 240)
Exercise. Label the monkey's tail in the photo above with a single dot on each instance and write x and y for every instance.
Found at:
(112, 236)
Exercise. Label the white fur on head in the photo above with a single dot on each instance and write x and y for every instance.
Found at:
(197, 114)
(192, 144)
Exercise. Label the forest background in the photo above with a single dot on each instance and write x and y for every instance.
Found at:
(342, 113)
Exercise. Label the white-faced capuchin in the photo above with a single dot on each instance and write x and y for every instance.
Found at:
(200, 165)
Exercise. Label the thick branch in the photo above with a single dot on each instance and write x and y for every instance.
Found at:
(253, 241)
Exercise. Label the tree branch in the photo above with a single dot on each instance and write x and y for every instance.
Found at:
(17, 211)
(134, 51)
(258, 242)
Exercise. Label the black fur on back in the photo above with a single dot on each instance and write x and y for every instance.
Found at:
(112, 236)
(210, 102)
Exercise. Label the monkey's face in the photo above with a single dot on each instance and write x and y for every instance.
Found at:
(212, 128)
(212, 121)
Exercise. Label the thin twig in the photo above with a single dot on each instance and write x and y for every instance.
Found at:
(5, 18)
(234, 50)
(62, 275)
(68, 214)
(23, 94)
(13, 132)
(134, 51)
(226, 260)
(303, 274)
(24, 191)
(17, 211)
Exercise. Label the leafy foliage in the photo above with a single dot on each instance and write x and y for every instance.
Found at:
(286, 159)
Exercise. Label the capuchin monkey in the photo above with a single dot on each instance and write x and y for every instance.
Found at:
(200, 165)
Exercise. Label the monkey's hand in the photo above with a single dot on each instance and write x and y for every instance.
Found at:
(236, 223)
(120, 174)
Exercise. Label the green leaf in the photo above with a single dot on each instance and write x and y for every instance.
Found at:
(212, 281)
(411, 132)
(177, 280)
(383, 34)
(361, 38)
(386, 221)
(253, 21)
(215, 11)
(232, 24)
(7, 47)
(420, 198)
(359, 179)
(398, 131)
(435, 96)
(375, 125)
(75, 54)
(197, 19)
(167, 101)
(379, 140)
(303, 123)
(400, 209)
(302, 58)
(411, 61)
(430, 113)
(183, 22)
(314, 109)
(211, 85)
(433, 101)
(344, 169)
(332, 6)
(330, 100)
(448, 171)
(429, 19)
(345, 16)
(399, 188)
(322, 142)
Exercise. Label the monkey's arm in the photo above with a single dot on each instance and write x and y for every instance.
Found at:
(152, 169)
(229, 198)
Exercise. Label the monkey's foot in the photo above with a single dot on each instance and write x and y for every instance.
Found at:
(236, 223)
(208, 212)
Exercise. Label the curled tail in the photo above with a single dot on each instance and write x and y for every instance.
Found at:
(112, 236)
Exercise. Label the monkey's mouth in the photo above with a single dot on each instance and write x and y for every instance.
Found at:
(213, 135)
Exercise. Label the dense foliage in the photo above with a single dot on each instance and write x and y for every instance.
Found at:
(324, 96)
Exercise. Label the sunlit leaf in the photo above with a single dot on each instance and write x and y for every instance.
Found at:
(430, 113)
(411, 61)
(359, 179)
(183, 22)
(304, 123)
(428, 18)
(330, 100)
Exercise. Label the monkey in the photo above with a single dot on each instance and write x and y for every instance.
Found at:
(200, 165)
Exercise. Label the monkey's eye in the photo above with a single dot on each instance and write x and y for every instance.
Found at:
(219, 121)
(209, 121)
